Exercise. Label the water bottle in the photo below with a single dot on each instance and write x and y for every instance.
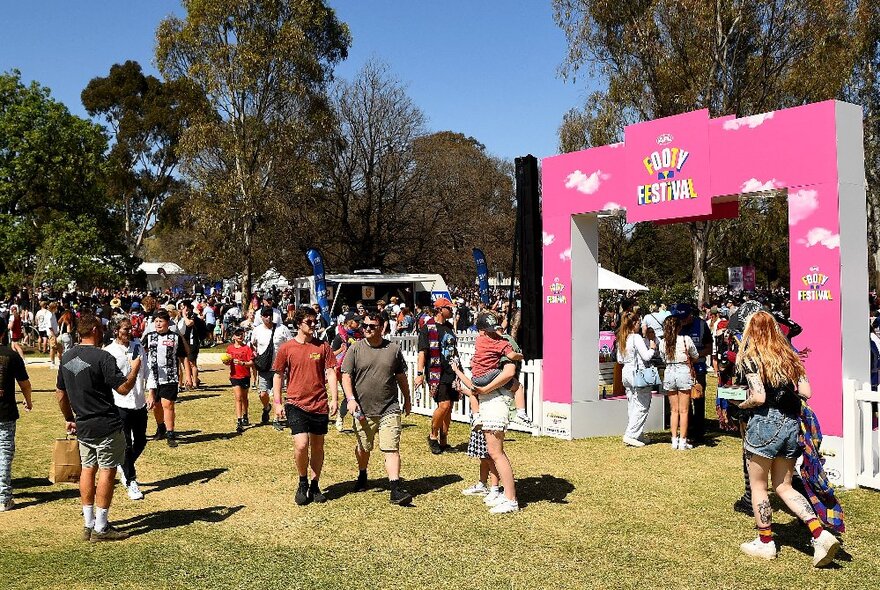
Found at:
(359, 415)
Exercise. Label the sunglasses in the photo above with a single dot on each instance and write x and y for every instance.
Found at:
(309, 322)
(369, 326)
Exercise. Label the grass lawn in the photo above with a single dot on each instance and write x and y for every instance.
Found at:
(219, 513)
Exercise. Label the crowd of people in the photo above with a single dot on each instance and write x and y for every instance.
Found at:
(124, 355)
(762, 385)
(131, 355)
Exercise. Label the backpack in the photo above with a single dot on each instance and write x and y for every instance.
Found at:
(263, 361)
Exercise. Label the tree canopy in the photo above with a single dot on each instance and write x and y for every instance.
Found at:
(57, 218)
(658, 58)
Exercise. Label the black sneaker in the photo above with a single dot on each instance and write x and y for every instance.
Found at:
(245, 420)
(264, 417)
(160, 432)
(360, 484)
(171, 439)
(434, 445)
(316, 494)
(239, 426)
(743, 507)
(400, 496)
(109, 534)
(302, 496)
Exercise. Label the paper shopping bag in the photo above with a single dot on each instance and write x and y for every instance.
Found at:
(66, 465)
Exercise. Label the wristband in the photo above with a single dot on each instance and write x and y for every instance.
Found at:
(349, 399)
(420, 373)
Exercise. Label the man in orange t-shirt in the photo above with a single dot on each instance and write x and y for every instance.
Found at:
(309, 367)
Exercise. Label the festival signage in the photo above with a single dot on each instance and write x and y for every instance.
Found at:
(482, 275)
(748, 275)
(317, 262)
(556, 292)
(815, 288)
(669, 161)
(735, 277)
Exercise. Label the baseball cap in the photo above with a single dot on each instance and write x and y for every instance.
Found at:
(487, 321)
(442, 302)
(135, 305)
(681, 310)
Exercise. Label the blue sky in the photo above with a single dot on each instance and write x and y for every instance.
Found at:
(485, 68)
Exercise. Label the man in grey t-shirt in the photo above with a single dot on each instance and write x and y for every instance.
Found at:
(372, 372)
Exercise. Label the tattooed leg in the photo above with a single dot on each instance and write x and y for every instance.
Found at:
(758, 472)
(783, 469)
(764, 514)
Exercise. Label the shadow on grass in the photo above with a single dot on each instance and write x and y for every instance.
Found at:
(169, 519)
(796, 535)
(416, 487)
(69, 491)
(195, 396)
(544, 488)
(185, 479)
(207, 437)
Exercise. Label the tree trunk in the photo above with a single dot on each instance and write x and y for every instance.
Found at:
(876, 256)
(248, 267)
(700, 241)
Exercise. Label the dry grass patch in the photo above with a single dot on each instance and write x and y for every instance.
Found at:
(219, 513)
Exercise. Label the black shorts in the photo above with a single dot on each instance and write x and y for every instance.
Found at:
(42, 333)
(446, 393)
(246, 382)
(301, 422)
(168, 391)
(193, 355)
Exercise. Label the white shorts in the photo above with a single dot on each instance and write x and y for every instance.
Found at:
(495, 409)
(677, 377)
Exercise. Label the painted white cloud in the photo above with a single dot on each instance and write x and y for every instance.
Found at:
(820, 236)
(547, 238)
(801, 205)
(753, 185)
(750, 122)
(616, 145)
(565, 255)
(584, 183)
(611, 206)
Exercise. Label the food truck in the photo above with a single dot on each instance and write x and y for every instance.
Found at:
(369, 286)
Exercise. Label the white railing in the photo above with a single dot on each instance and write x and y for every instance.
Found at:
(530, 376)
(466, 341)
(861, 453)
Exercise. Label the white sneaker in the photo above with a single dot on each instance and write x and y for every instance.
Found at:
(134, 492)
(9, 505)
(675, 442)
(504, 507)
(632, 442)
(756, 548)
(478, 489)
(493, 495)
(824, 549)
(684, 445)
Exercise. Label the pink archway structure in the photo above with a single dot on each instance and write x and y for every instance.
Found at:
(690, 167)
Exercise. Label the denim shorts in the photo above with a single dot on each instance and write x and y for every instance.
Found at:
(677, 377)
(772, 434)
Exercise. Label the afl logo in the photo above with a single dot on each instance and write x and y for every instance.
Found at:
(664, 139)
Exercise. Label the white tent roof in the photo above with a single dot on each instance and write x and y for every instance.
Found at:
(611, 281)
(152, 268)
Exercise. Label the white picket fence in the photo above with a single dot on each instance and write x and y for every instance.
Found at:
(861, 453)
(530, 376)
